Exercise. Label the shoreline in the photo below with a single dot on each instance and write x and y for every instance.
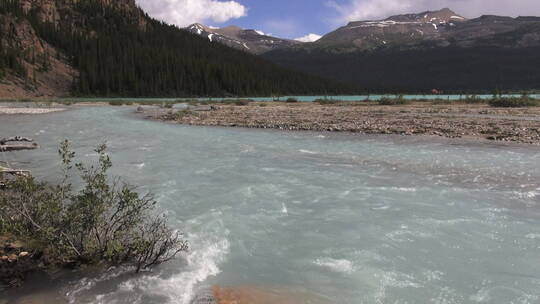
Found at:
(29, 108)
(479, 123)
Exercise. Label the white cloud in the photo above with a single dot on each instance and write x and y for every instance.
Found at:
(309, 38)
(356, 10)
(186, 12)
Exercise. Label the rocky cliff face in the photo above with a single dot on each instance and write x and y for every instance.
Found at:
(247, 40)
(45, 70)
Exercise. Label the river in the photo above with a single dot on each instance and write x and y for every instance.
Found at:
(312, 217)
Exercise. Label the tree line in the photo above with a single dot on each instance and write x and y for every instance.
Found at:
(116, 55)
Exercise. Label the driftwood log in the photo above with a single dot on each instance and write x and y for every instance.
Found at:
(3, 141)
(13, 171)
(14, 144)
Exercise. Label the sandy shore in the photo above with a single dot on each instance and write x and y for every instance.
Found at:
(28, 108)
(480, 122)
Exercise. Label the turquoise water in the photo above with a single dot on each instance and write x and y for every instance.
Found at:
(304, 98)
(341, 218)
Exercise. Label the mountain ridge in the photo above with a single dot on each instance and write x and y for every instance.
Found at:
(248, 40)
(418, 53)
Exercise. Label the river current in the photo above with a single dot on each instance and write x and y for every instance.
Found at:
(308, 217)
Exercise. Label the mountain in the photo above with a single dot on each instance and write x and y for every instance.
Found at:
(394, 31)
(113, 48)
(419, 52)
(251, 41)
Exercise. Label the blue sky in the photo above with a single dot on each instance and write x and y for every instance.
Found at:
(288, 18)
(297, 18)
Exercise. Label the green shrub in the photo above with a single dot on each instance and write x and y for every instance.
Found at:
(116, 103)
(473, 99)
(291, 100)
(241, 102)
(326, 101)
(385, 101)
(514, 102)
(106, 222)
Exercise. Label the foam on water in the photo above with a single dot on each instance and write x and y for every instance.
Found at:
(181, 288)
(337, 265)
(284, 209)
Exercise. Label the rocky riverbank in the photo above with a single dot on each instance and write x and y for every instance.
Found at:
(475, 121)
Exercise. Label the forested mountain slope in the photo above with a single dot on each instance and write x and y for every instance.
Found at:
(112, 48)
(425, 51)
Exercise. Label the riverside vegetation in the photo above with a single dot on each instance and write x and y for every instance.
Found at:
(47, 227)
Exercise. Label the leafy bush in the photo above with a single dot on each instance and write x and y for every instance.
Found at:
(291, 100)
(385, 101)
(514, 102)
(473, 99)
(116, 103)
(106, 222)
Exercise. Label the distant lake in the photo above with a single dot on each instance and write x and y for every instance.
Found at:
(304, 98)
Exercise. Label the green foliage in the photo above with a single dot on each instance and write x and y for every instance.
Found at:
(105, 222)
(514, 102)
(385, 101)
(120, 103)
(473, 99)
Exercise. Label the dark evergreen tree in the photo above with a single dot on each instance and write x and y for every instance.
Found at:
(120, 52)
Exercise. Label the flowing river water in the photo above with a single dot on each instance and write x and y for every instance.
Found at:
(307, 217)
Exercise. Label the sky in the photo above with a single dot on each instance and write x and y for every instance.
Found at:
(308, 19)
